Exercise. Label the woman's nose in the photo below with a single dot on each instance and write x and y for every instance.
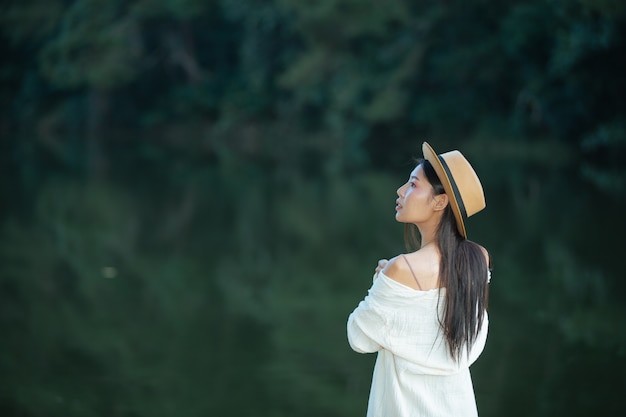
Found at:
(400, 191)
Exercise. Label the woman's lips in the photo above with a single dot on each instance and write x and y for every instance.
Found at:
(398, 206)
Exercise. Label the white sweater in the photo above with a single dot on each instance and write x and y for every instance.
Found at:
(414, 374)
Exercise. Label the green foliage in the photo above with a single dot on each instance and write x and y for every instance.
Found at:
(194, 203)
(98, 49)
(30, 20)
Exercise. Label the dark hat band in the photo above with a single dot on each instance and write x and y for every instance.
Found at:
(455, 189)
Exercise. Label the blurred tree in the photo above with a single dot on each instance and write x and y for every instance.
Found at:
(193, 202)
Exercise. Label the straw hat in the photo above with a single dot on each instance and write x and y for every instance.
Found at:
(461, 183)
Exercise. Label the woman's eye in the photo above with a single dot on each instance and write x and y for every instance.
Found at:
(412, 184)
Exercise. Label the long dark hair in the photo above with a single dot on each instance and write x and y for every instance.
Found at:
(462, 272)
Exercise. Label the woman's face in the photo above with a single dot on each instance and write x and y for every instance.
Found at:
(416, 202)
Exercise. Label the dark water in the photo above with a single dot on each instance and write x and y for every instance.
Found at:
(556, 344)
(223, 289)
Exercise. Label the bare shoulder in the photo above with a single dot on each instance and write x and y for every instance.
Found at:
(422, 265)
(396, 266)
(398, 270)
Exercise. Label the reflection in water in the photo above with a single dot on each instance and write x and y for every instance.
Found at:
(556, 345)
(241, 311)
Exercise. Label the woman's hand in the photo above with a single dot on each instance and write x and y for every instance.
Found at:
(382, 263)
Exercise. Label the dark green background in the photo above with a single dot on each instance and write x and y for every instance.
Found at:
(195, 194)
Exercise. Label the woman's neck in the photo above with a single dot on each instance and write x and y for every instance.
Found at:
(427, 237)
(428, 230)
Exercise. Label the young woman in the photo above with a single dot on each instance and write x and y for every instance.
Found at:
(425, 313)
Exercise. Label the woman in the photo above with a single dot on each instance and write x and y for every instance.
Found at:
(425, 313)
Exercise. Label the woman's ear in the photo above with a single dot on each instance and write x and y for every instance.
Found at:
(441, 201)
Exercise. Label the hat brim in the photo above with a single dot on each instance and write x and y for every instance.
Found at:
(431, 156)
